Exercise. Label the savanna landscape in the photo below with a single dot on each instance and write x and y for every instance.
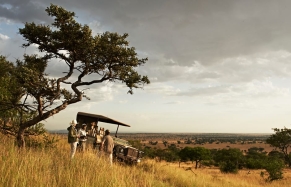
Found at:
(66, 62)
(207, 140)
(48, 164)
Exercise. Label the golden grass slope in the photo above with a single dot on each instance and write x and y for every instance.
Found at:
(53, 168)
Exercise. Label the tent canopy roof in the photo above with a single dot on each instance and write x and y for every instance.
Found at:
(88, 118)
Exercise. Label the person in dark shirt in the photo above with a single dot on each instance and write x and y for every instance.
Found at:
(73, 137)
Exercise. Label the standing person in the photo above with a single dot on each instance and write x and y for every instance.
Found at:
(107, 145)
(92, 131)
(73, 137)
(83, 137)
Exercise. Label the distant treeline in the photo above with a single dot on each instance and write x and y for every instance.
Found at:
(195, 137)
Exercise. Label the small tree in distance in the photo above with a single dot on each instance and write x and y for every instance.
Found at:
(196, 154)
(200, 154)
(281, 140)
(230, 160)
(107, 56)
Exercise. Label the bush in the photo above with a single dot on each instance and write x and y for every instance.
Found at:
(253, 163)
(228, 167)
(274, 166)
(46, 141)
(229, 160)
(208, 163)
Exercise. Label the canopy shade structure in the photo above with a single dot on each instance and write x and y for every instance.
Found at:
(83, 117)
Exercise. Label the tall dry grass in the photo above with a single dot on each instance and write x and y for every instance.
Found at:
(53, 168)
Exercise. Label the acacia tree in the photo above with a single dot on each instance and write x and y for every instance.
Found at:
(196, 154)
(281, 140)
(185, 154)
(107, 56)
(199, 154)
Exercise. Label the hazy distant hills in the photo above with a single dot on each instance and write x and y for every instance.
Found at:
(65, 131)
(58, 131)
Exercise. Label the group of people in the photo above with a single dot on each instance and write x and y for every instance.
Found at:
(80, 136)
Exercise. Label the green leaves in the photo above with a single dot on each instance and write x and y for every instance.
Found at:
(10, 89)
(282, 140)
(274, 166)
(229, 159)
(62, 16)
(196, 154)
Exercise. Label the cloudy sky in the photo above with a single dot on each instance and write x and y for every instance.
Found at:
(215, 66)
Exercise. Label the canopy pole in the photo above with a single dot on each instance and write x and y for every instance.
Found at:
(116, 131)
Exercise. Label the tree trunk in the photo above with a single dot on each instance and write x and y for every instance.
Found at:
(23, 126)
(196, 165)
(288, 160)
(20, 137)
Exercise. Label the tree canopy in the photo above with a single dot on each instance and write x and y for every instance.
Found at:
(281, 140)
(196, 154)
(230, 160)
(89, 59)
(10, 95)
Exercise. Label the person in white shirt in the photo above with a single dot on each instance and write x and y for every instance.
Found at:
(107, 146)
(83, 137)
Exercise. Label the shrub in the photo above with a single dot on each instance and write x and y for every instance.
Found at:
(274, 166)
(228, 167)
(254, 163)
(208, 163)
(46, 141)
(229, 160)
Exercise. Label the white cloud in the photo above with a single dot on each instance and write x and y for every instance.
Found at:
(101, 93)
(266, 88)
(123, 101)
(5, 21)
(162, 89)
(96, 27)
(3, 37)
(174, 103)
(142, 117)
(255, 89)
(243, 68)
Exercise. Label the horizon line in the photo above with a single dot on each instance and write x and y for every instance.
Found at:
(180, 132)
